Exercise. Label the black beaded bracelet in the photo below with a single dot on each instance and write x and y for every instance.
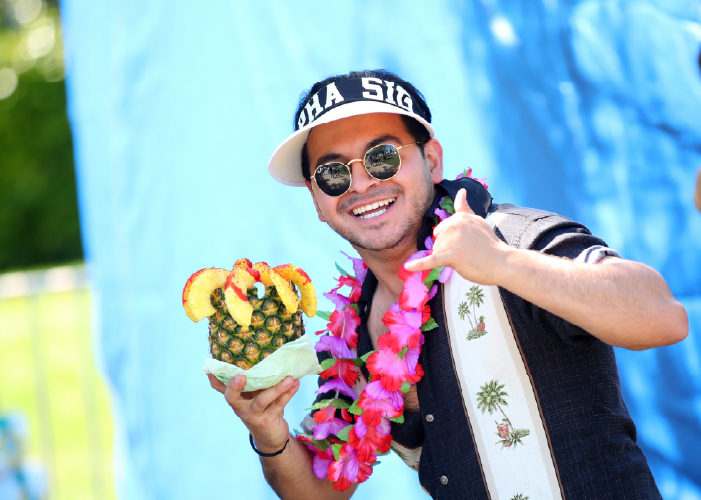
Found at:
(253, 445)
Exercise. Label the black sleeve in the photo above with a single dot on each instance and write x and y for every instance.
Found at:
(560, 237)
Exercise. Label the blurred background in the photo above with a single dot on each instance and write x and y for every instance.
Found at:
(588, 108)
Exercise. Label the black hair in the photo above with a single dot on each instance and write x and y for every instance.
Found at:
(414, 127)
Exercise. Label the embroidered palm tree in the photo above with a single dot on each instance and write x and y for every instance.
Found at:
(491, 398)
(519, 496)
(475, 298)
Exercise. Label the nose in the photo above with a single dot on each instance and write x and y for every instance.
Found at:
(362, 181)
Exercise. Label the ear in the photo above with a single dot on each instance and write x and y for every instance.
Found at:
(434, 158)
(318, 210)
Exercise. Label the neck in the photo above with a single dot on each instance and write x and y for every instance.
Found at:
(385, 264)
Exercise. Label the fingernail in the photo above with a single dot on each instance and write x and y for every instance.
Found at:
(238, 380)
(287, 382)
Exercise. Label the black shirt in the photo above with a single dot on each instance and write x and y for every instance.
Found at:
(575, 375)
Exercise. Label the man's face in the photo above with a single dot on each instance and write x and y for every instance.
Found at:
(404, 198)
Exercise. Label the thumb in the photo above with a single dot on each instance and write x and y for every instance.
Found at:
(461, 204)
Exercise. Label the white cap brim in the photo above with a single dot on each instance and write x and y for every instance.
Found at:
(286, 162)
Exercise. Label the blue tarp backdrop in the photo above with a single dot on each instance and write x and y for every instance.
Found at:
(587, 108)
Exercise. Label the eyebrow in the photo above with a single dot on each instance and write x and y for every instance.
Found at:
(383, 139)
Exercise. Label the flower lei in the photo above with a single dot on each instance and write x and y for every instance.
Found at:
(345, 449)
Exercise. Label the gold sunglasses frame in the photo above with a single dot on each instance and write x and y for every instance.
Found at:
(350, 170)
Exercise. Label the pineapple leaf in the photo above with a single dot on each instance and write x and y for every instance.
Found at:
(344, 272)
(340, 403)
(429, 325)
(406, 385)
(328, 363)
(433, 276)
(398, 420)
(365, 357)
(336, 448)
(322, 445)
(447, 205)
(325, 315)
(343, 433)
(321, 404)
(355, 409)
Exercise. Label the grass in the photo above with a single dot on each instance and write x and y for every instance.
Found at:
(48, 374)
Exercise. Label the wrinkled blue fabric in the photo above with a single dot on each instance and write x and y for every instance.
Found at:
(591, 109)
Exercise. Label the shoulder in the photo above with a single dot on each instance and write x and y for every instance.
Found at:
(530, 228)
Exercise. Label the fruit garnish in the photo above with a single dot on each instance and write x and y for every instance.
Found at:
(198, 290)
(302, 280)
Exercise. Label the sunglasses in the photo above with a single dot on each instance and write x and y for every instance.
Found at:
(381, 162)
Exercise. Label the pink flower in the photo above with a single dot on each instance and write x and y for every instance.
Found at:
(391, 370)
(468, 174)
(372, 440)
(404, 328)
(354, 284)
(412, 358)
(337, 346)
(360, 268)
(375, 409)
(341, 368)
(347, 469)
(333, 426)
(344, 325)
(414, 294)
(339, 385)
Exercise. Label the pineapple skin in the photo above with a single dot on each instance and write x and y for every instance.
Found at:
(272, 326)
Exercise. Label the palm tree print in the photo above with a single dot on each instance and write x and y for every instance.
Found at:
(475, 298)
(491, 398)
(519, 496)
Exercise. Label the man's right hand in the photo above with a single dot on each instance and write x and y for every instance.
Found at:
(261, 411)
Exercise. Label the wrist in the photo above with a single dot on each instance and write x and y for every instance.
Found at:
(267, 444)
(266, 454)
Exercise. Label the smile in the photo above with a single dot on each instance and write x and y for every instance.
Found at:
(373, 209)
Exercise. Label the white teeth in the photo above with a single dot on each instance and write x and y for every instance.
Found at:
(370, 216)
(372, 206)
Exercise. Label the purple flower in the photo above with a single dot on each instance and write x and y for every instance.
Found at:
(341, 301)
(360, 268)
(412, 357)
(445, 275)
(337, 346)
(442, 214)
(338, 384)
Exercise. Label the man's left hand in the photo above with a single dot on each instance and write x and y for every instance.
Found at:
(467, 243)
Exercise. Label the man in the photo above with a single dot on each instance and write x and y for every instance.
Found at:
(562, 300)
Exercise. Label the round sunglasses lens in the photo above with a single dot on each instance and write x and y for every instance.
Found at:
(333, 178)
(382, 162)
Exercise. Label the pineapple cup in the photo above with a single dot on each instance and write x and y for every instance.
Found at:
(245, 330)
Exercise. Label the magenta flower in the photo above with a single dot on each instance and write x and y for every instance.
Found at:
(322, 460)
(468, 174)
(333, 426)
(412, 358)
(360, 268)
(442, 214)
(337, 346)
(376, 391)
(338, 384)
(360, 428)
(404, 328)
